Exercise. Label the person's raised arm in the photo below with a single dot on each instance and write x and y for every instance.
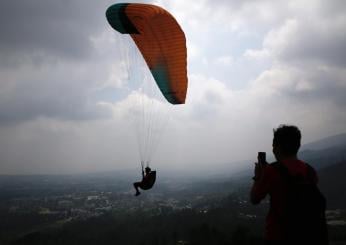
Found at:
(260, 186)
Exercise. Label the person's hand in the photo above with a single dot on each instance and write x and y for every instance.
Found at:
(261, 158)
(259, 167)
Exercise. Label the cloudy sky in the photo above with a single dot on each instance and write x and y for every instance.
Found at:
(252, 65)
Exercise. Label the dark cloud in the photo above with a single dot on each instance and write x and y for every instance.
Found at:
(61, 92)
(23, 106)
(49, 28)
(334, 8)
(310, 49)
(325, 86)
(305, 86)
(319, 44)
(50, 61)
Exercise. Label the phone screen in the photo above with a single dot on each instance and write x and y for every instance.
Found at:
(261, 157)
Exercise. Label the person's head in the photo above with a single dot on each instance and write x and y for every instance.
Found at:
(147, 170)
(286, 141)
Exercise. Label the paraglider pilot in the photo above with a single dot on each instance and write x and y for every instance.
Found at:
(148, 179)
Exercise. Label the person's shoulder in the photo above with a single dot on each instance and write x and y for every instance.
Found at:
(272, 166)
(307, 166)
(271, 169)
(311, 172)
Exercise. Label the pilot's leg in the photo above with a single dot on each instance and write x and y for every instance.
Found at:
(136, 185)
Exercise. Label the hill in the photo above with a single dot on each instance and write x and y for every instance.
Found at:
(332, 182)
(328, 142)
(325, 152)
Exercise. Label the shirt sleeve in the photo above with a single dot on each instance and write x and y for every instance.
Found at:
(262, 187)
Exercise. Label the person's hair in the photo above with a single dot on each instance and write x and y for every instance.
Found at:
(287, 137)
(148, 169)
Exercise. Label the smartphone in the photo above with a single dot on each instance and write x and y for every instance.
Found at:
(262, 158)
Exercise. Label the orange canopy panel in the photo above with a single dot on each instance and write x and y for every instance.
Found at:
(161, 41)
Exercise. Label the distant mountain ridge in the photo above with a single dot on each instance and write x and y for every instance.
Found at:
(329, 142)
(325, 152)
(332, 182)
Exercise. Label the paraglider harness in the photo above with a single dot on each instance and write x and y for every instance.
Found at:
(147, 180)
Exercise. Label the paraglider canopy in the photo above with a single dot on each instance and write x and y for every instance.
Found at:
(161, 42)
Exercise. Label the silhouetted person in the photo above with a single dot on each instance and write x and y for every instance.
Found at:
(297, 208)
(148, 180)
